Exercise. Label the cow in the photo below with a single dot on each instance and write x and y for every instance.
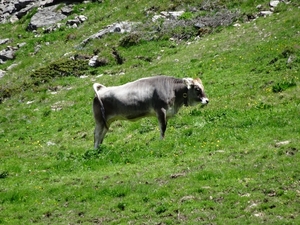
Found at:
(159, 96)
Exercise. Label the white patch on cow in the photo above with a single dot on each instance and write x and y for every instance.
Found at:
(204, 101)
(188, 82)
(198, 83)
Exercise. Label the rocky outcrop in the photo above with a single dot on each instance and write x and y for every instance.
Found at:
(12, 11)
(8, 53)
(273, 4)
(46, 17)
(4, 41)
(121, 27)
(167, 15)
(49, 15)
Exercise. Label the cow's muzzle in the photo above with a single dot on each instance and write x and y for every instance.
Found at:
(204, 101)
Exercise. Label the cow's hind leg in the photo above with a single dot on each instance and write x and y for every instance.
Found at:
(99, 134)
(100, 128)
(162, 119)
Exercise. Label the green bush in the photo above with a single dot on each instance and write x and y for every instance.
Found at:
(280, 87)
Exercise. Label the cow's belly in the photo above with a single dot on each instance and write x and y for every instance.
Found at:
(132, 115)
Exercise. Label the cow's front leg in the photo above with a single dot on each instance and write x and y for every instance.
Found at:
(162, 119)
(99, 133)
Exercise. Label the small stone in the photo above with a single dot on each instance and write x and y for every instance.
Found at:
(2, 73)
(265, 13)
(278, 144)
(274, 3)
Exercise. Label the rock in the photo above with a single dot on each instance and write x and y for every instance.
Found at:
(199, 25)
(93, 61)
(45, 17)
(121, 27)
(36, 49)
(265, 13)
(291, 59)
(172, 15)
(7, 7)
(14, 9)
(67, 10)
(21, 44)
(11, 66)
(29, 102)
(274, 3)
(52, 28)
(2, 73)
(13, 19)
(23, 3)
(187, 198)
(24, 7)
(76, 21)
(236, 25)
(45, 2)
(50, 143)
(7, 54)
(82, 18)
(176, 175)
(72, 22)
(157, 17)
(259, 6)
(278, 144)
(4, 41)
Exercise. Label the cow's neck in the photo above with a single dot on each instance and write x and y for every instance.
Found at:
(181, 93)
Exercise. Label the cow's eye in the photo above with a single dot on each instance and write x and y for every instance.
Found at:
(198, 89)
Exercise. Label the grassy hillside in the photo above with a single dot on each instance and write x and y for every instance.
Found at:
(235, 161)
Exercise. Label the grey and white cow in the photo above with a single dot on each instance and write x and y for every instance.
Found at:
(159, 96)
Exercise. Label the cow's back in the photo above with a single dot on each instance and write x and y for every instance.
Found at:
(137, 99)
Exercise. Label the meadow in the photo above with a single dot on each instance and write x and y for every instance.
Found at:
(235, 161)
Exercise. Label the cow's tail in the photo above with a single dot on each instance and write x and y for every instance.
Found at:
(97, 87)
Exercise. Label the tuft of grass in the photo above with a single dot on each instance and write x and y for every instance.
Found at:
(3, 174)
(279, 87)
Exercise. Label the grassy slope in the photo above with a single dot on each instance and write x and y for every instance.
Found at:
(217, 165)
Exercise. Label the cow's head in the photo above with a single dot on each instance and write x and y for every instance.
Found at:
(196, 92)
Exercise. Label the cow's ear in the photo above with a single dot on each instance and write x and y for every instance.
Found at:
(188, 82)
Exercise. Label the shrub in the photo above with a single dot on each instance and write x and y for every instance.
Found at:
(279, 87)
(130, 39)
(60, 68)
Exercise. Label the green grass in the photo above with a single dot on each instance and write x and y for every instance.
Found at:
(220, 164)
